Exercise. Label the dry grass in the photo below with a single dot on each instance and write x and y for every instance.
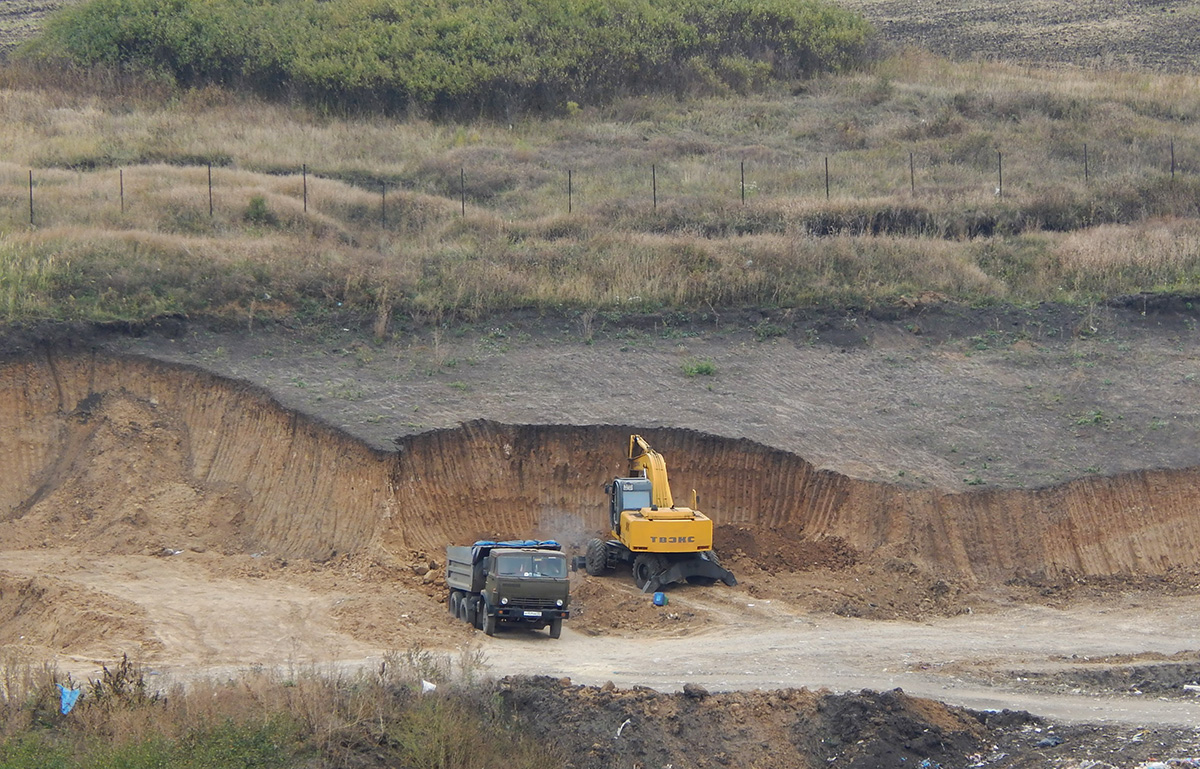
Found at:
(268, 718)
(874, 237)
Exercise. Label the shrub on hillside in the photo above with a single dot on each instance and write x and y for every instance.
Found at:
(464, 57)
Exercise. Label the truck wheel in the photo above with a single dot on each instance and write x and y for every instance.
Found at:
(471, 606)
(556, 627)
(452, 602)
(596, 560)
(646, 567)
(480, 612)
(489, 624)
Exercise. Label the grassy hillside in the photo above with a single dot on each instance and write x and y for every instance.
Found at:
(982, 182)
(384, 231)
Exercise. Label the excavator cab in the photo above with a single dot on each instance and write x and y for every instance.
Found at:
(627, 494)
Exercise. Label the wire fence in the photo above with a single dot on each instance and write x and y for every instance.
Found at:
(919, 180)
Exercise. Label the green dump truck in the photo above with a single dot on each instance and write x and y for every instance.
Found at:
(517, 583)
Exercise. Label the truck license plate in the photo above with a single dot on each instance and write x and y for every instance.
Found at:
(533, 614)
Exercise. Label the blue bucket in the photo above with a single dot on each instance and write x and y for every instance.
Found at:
(660, 599)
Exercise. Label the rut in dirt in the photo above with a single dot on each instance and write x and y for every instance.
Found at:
(117, 454)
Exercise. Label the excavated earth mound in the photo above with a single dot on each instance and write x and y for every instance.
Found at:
(600, 727)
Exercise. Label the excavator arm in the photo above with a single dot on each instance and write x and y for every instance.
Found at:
(647, 463)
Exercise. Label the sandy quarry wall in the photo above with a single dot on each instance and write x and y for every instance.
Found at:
(130, 455)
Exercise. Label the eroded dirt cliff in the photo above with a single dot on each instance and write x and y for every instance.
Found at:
(124, 454)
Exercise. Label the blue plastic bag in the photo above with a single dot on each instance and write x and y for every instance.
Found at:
(68, 698)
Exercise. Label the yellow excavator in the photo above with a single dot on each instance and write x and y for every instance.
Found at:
(664, 543)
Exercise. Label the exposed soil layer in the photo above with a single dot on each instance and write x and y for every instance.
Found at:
(125, 455)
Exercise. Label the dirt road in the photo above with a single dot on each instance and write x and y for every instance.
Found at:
(190, 615)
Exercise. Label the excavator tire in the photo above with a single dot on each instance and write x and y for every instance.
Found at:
(556, 627)
(596, 558)
(646, 567)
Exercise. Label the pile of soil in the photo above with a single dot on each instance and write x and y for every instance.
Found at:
(602, 727)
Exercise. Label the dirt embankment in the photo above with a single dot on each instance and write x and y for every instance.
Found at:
(127, 455)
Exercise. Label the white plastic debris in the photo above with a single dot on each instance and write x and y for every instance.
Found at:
(427, 686)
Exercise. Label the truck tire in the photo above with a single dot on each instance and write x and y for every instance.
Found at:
(480, 612)
(646, 567)
(596, 560)
(556, 627)
(489, 624)
(452, 602)
(471, 606)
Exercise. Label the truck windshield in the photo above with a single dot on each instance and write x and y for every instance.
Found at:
(531, 566)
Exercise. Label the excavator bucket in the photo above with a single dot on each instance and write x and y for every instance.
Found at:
(702, 568)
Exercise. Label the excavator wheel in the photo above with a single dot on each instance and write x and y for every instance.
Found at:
(646, 567)
(597, 557)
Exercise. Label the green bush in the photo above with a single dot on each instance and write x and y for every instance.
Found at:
(699, 367)
(491, 56)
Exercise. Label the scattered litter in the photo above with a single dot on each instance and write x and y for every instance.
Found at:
(621, 728)
(660, 599)
(427, 686)
(1171, 763)
(1050, 741)
(1191, 687)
